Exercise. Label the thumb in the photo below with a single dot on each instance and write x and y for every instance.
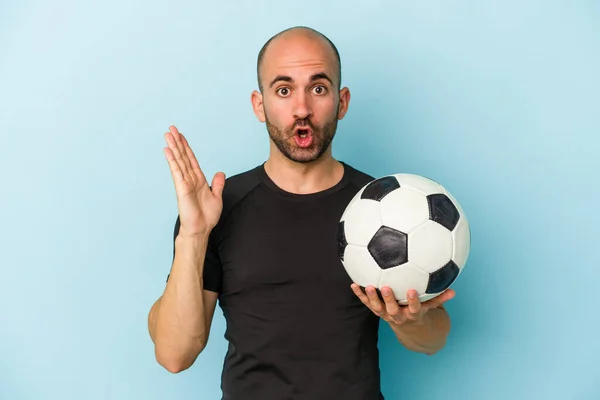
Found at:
(218, 183)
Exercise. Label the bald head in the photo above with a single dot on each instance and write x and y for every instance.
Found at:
(299, 33)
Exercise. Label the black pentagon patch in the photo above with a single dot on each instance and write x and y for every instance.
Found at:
(389, 247)
(341, 239)
(441, 279)
(380, 188)
(442, 210)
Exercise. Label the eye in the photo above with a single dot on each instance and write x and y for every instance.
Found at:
(283, 91)
(320, 89)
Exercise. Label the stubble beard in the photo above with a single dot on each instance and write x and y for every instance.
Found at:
(284, 140)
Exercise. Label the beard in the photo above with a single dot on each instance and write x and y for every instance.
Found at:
(284, 139)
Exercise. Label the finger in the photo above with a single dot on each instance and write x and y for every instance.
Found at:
(391, 303)
(376, 304)
(178, 136)
(182, 166)
(218, 183)
(359, 293)
(195, 166)
(176, 173)
(414, 304)
(439, 300)
(448, 295)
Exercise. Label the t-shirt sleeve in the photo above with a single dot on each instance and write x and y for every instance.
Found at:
(212, 276)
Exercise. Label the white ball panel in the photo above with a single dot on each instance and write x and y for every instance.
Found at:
(362, 220)
(404, 209)
(430, 246)
(351, 202)
(360, 266)
(419, 183)
(403, 278)
(461, 238)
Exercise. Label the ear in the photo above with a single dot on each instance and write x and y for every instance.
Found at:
(257, 105)
(344, 102)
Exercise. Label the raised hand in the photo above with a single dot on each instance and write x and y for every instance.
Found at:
(199, 206)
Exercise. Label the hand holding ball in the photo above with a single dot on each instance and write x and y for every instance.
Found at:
(407, 232)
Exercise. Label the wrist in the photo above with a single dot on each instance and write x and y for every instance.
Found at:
(191, 237)
(191, 246)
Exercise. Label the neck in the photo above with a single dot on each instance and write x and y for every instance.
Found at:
(304, 178)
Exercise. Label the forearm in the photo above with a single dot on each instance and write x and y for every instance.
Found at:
(177, 323)
(428, 337)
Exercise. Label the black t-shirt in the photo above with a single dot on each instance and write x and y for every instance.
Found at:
(295, 328)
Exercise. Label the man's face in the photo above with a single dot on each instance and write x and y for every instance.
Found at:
(300, 100)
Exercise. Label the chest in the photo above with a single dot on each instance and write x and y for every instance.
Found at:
(284, 246)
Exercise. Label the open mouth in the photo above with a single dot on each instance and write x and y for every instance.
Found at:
(303, 133)
(304, 137)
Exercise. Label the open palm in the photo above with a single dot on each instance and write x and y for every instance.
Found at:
(199, 204)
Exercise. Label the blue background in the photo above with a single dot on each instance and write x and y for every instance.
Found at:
(498, 101)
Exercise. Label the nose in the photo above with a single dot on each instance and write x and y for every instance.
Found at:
(302, 106)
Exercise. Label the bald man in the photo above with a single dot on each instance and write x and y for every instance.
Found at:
(263, 245)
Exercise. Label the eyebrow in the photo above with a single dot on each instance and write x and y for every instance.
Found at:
(284, 78)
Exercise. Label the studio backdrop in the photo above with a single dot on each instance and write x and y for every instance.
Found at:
(499, 101)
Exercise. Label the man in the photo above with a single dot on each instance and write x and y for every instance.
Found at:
(264, 245)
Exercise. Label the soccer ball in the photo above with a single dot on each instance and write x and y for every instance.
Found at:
(404, 231)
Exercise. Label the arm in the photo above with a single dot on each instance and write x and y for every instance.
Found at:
(179, 322)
